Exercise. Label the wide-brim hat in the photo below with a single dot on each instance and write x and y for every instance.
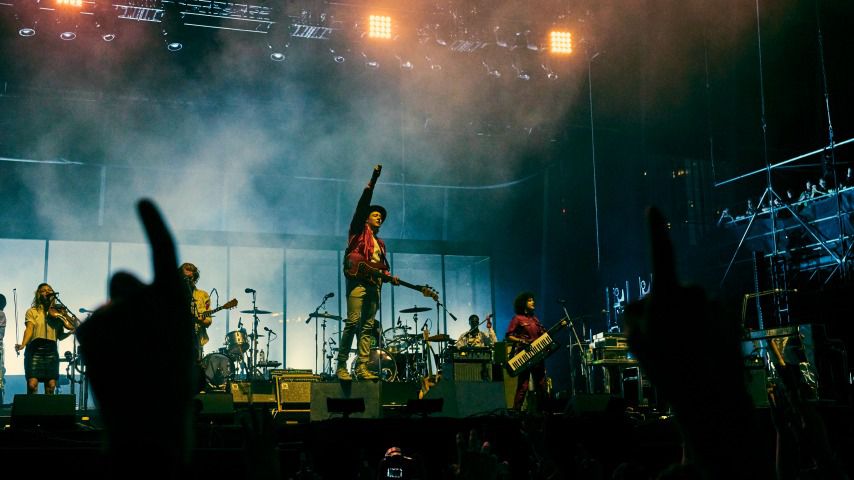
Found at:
(378, 208)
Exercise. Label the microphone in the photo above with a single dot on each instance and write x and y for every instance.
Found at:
(249, 290)
(270, 331)
(52, 294)
(452, 315)
(86, 310)
(329, 295)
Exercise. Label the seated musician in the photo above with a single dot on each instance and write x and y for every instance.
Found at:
(476, 338)
(524, 328)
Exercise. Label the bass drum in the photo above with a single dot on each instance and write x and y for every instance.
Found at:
(380, 359)
(218, 371)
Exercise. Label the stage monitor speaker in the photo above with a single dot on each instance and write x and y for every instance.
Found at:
(582, 403)
(463, 399)
(49, 411)
(367, 391)
(215, 405)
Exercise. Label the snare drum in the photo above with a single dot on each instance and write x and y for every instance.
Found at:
(218, 370)
(237, 342)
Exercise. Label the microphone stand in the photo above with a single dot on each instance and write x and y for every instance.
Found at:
(316, 342)
(581, 354)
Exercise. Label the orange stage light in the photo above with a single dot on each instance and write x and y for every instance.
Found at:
(379, 26)
(70, 3)
(561, 42)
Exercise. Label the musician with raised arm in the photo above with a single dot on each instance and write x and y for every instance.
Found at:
(524, 328)
(363, 291)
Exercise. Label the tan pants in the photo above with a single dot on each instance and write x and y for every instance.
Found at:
(363, 301)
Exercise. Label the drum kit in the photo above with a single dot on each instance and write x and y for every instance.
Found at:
(399, 356)
(239, 356)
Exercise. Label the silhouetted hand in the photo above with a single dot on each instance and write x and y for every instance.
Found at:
(689, 349)
(145, 398)
(686, 344)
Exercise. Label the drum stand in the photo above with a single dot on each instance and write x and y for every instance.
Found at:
(317, 314)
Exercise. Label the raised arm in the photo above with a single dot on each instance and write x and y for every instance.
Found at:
(362, 212)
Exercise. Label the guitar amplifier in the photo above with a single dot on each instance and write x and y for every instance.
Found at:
(293, 391)
(472, 354)
(255, 391)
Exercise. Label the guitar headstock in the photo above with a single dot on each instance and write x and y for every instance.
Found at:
(230, 304)
(430, 292)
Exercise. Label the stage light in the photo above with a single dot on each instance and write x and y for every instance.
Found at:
(171, 23)
(550, 74)
(69, 3)
(370, 62)
(106, 20)
(278, 37)
(27, 15)
(337, 57)
(521, 73)
(68, 35)
(405, 65)
(492, 72)
(379, 26)
(560, 42)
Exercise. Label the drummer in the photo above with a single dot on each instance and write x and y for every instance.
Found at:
(474, 337)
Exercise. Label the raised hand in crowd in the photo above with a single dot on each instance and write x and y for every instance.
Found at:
(148, 429)
(689, 348)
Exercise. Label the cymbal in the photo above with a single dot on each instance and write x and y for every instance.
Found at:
(324, 315)
(443, 337)
(256, 311)
(415, 310)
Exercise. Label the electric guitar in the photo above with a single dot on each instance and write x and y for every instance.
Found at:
(358, 267)
(201, 330)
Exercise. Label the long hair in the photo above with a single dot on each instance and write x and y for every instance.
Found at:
(520, 301)
(36, 303)
(193, 269)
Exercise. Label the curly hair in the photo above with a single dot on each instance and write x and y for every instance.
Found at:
(192, 268)
(520, 301)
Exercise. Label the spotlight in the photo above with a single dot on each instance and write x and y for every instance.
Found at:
(69, 3)
(560, 42)
(69, 35)
(521, 73)
(105, 20)
(277, 40)
(27, 17)
(492, 72)
(337, 57)
(550, 74)
(379, 26)
(370, 63)
(172, 26)
(433, 66)
(404, 64)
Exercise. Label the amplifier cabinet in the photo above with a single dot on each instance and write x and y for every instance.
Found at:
(294, 391)
(255, 391)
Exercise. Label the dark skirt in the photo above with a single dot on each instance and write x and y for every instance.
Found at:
(41, 360)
